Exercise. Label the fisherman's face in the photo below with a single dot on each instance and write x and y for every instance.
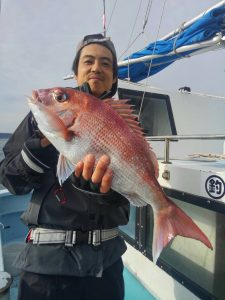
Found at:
(96, 67)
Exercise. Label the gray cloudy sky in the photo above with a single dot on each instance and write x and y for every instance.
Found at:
(38, 40)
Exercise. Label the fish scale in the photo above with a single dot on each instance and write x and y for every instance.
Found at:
(106, 141)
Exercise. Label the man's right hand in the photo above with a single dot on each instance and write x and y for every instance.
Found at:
(100, 174)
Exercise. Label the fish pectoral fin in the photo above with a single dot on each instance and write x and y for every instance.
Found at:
(64, 168)
(171, 221)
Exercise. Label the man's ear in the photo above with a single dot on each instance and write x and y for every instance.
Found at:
(114, 79)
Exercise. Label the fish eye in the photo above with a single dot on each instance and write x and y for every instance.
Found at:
(60, 97)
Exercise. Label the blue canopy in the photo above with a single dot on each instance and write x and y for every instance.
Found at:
(203, 29)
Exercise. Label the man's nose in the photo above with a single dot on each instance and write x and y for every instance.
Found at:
(96, 66)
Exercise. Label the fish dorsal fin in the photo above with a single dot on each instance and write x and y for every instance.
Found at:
(126, 112)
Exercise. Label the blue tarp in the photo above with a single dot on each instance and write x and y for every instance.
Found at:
(205, 28)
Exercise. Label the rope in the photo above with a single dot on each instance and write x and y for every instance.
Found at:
(149, 6)
(148, 9)
(129, 43)
(112, 14)
(181, 29)
(143, 28)
(150, 65)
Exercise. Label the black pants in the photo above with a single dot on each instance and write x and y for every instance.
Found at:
(50, 287)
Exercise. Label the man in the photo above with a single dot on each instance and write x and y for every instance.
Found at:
(73, 248)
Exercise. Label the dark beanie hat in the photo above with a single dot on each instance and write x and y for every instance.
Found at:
(104, 41)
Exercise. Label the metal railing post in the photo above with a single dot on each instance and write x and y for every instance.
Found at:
(167, 151)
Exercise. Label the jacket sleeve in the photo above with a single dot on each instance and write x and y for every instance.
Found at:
(25, 161)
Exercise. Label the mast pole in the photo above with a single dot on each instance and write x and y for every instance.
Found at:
(190, 22)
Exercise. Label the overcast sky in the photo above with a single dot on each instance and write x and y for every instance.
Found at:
(38, 40)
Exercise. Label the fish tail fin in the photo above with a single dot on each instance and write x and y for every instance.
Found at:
(170, 222)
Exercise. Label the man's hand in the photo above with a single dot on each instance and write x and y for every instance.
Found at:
(100, 174)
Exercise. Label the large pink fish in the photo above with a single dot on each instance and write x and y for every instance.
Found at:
(77, 124)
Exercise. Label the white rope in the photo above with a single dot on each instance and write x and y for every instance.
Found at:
(129, 42)
(150, 65)
(148, 9)
(111, 15)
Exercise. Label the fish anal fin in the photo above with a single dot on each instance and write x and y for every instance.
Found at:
(170, 222)
(134, 199)
(64, 168)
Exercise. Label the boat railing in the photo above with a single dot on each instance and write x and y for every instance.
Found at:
(172, 138)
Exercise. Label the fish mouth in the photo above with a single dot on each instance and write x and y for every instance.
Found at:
(34, 97)
(35, 94)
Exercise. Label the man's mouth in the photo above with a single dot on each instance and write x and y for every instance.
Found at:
(93, 77)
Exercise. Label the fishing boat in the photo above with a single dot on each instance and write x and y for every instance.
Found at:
(187, 132)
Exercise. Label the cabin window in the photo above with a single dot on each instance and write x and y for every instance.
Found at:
(156, 115)
(193, 261)
(187, 260)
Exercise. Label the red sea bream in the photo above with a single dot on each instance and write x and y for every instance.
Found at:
(78, 124)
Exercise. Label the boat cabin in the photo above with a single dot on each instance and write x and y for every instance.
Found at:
(186, 131)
